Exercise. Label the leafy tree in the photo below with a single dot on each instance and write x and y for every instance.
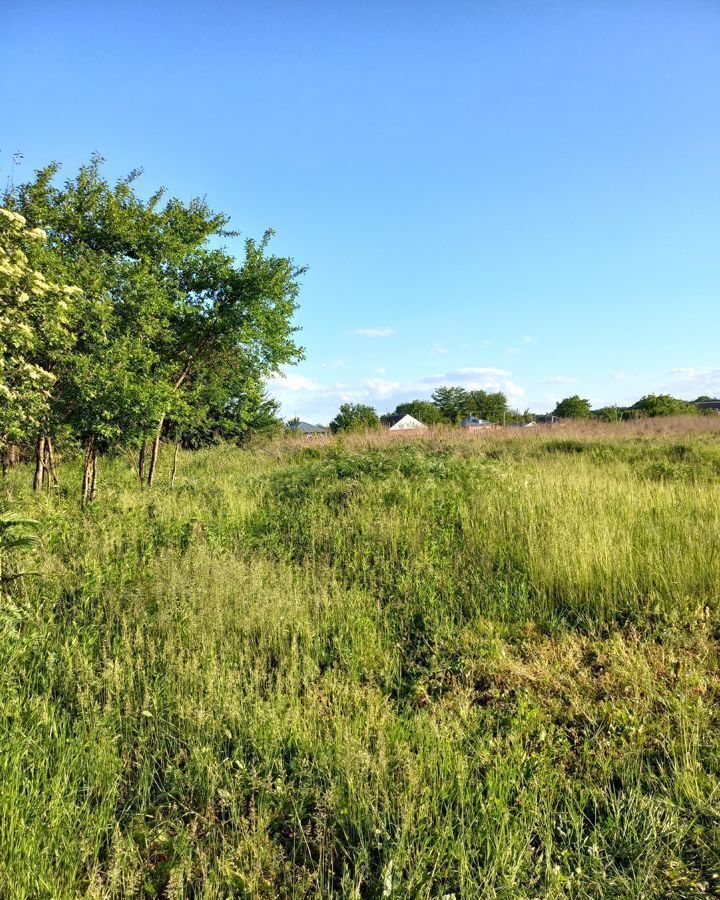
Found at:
(610, 413)
(653, 405)
(354, 417)
(488, 405)
(453, 403)
(423, 410)
(34, 331)
(228, 404)
(230, 309)
(573, 408)
(164, 311)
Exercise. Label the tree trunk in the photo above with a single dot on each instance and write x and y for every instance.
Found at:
(39, 464)
(174, 465)
(87, 466)
(155, 453)
(10, 457)
(50, 465)
(141, 463)
(93, 473)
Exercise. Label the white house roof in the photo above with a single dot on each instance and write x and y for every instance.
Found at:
(406, 423)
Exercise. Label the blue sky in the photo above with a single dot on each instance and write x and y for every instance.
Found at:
(523, 196)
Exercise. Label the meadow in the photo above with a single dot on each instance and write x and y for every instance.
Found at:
(445, 666)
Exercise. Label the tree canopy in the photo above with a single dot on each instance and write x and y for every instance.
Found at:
(653, 405)
(355, 417)
(167, 331)
(424, 411)
(574, 407)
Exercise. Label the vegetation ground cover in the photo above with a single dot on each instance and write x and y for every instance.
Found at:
(480, 666)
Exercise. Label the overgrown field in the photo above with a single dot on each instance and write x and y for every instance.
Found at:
(418, 668)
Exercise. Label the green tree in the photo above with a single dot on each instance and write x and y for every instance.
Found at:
(488, 405)
(453, 403)
(573, 408)
(163, 309)
(653, 405)
(610, 413)
(423, 410)
(34, 331)
(354, 417)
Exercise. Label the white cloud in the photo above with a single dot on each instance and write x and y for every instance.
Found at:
(291, 381)
(558, 379)
(694, 382)
(373, 332)
(512, 350)
(335, 363)
(473, 371)
(318, 401)
(527, 339)
(478, 379)
(438, 350)
(380, 370)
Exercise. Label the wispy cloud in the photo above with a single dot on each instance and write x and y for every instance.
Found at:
(438, 350)
(319, 400)
(335, 363)
(373, 332)
(694, 381)
(558, 379)
(513, 350)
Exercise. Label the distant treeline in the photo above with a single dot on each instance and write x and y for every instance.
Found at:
(126, 320)
(449, 405)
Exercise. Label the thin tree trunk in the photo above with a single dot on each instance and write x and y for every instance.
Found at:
(87, 465)
(174, 465)
(155, 453)
(93, 475)
(141, 463)
(51, 467)
(39, 464)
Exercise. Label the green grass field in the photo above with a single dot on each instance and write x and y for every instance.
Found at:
(476, 667)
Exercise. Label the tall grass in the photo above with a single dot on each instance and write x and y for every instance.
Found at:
(372, 668)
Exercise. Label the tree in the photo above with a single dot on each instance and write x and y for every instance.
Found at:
(164, 310)
(453, 403)
(423, 410)
(488, 405)
(34, 320)
(610, 413)
(572, 408)
(653, 405)
(354, 417)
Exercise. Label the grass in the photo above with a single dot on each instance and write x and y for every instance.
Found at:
(477, 666)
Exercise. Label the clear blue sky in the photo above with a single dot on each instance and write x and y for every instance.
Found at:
(520, 195)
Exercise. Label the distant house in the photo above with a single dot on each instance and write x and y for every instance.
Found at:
(475, 424)
(309, 430)
(710, 405)
(521, 424)
(398, 422)
(549, 420)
